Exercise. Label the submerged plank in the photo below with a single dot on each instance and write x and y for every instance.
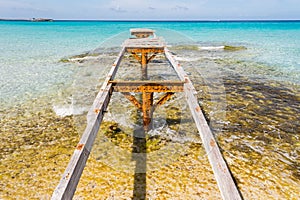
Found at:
(226, 184)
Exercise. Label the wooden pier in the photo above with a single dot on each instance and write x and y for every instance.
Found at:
(144, 47)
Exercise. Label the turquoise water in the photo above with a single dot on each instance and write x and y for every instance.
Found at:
(250, 97)
(30, 51)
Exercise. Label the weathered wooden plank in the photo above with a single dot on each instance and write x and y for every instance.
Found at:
(143, 82)
(72, 174)
(145, 49)
(179, 70)
(113, 70)
(69, 181)
(147, 86)
(226, 184)
(141, 43)
(142, 32)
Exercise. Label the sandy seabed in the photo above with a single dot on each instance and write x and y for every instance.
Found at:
(258, 135)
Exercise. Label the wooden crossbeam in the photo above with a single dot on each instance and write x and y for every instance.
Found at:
(148, 86)
(145, 50)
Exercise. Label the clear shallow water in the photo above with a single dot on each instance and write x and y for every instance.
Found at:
(30, 51)
(255, 119)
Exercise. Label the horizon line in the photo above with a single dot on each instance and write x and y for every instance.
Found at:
(152, 20)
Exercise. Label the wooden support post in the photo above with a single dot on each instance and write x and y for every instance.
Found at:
(144, 65)
(147, 110)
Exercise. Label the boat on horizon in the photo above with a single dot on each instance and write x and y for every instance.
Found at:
(41, 20)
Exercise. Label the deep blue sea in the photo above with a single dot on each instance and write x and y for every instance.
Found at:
(30, 51)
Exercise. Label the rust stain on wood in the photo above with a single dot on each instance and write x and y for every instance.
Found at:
(79, 146)
(212, 143)
(220, 166)
(68, 176)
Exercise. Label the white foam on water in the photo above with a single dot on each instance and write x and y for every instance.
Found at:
(210, 48)
(68, 110)
(172, 135)
(185, 59)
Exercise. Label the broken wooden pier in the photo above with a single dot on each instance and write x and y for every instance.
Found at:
(144, 47)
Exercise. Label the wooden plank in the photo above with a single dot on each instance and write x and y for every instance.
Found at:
(141, 43)
(147, 86)
(226, 184)
(72, 174)
(145, 50)
(179, 70)
(114, 69)
(69, 181)
(141, 30)
(141, 82)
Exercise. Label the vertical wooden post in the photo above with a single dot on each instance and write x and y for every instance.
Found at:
(147, 110)
(144, 56)
(147, 97)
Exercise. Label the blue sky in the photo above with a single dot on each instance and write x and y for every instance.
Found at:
(151, 9)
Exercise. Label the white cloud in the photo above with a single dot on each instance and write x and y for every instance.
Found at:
(151, 9)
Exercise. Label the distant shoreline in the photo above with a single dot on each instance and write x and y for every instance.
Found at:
(30, 20)
(152, 20)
